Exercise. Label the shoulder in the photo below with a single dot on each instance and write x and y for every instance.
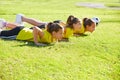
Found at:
(38, 30)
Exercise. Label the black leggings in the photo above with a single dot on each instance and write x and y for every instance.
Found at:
(41, 26)
(11, 32)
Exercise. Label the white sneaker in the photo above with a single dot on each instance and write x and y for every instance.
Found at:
(19, 19)
(2, 23)
(96, 19)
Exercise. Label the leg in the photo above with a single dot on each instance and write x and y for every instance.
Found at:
(32, 21)
(11, 25)
(5, 24)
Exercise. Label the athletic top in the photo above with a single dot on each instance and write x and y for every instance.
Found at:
(27, 34)
(68, 32)
(82, 30)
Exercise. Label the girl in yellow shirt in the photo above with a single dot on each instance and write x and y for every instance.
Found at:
(88, 25)
(72, 24)
(53, 33)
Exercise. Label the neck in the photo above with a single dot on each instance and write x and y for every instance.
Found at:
(54, 39)
(85, 30)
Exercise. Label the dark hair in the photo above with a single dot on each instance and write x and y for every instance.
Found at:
(53, 27)
(87, 21)
(71, 20)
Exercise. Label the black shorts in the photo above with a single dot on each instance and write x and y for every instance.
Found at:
(41, 26)
(11, 32)
(57, 21)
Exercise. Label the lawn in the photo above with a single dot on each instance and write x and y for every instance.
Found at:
(92, 57)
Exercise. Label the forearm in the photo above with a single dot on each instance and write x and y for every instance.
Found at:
(35, 34)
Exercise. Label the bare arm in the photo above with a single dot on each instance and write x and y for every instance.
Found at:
(62, 23)
(37, 32)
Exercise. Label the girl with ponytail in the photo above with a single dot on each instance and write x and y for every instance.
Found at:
(87, 25)
(53, 33)
(72, 24)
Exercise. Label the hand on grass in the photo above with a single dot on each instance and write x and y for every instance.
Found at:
(41, 44)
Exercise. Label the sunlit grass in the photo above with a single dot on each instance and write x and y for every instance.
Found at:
(113, 4)
(92, 57)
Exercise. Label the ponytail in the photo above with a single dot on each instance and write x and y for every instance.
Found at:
(53, 27)
(71, 20)
(49, 27)
(87, 21)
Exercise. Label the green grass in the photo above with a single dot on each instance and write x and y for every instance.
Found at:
(92, 57)
(113, 5)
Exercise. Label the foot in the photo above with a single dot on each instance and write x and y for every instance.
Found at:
(2, 23)
(96, 20)
(19, 19)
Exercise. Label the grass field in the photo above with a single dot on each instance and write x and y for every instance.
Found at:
(92, 57)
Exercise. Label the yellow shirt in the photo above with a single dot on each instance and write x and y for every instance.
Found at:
(47, 38)
(82, 30)
(68, 33)
(27, 34)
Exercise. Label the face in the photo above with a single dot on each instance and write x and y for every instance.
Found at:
(91, 28)
(58, 35)
(77, 26)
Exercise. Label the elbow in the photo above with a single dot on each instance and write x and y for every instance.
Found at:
(35, 27)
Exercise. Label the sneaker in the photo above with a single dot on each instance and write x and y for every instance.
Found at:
(2, 23)
(96, 20)
(19, 19)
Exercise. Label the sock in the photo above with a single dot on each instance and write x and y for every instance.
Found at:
(4, 24)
